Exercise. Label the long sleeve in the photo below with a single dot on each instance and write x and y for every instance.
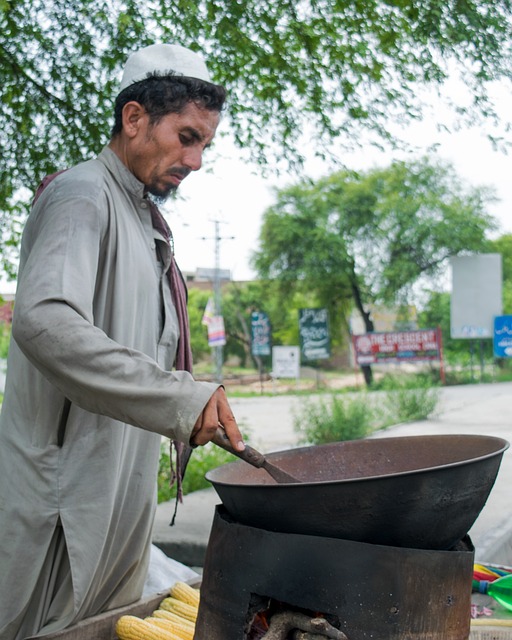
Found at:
(87, 308)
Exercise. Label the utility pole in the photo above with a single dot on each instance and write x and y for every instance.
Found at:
(217, 296)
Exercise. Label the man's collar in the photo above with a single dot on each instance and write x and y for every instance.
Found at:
(121, 172)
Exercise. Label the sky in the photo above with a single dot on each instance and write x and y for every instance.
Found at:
(234, 192)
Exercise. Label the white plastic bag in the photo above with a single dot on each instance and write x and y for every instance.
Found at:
(164, 572)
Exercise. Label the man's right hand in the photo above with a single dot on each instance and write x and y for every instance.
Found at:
(217, 412)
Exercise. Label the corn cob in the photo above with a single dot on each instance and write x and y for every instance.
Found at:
(184, 592)
(183, 631)
(133, 628)
(172, 617)
(179, 608)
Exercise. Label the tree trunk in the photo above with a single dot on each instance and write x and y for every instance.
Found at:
(366, 369)
(247, 336)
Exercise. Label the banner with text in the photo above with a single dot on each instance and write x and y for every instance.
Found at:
(315, 340)
(260, 334)
(397, 346)
(503, 336)
(216, 332)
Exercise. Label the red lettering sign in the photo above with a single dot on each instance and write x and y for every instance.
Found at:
(397, 346)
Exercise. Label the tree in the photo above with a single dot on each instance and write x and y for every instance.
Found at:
(241, 299)
(503, 245)
(371, 236)
(196, 305)
(436, 312)
(436, 309)
(337, 67)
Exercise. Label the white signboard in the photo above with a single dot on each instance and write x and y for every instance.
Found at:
(476, 295)
(285, 362)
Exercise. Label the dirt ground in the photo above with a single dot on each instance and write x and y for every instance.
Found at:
(309, 380)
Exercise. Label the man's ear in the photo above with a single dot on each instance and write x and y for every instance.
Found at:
(133, 114)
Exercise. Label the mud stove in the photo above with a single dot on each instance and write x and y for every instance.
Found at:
(263, 584)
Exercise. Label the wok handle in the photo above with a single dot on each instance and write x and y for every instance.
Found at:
(249, 454)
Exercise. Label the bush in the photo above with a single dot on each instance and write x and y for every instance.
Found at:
(5, 338)
(349, 418)
(334, 419)
(202, 460)
(400, 381)
(407, 405)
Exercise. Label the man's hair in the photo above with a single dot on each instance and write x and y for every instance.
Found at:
(160, 95)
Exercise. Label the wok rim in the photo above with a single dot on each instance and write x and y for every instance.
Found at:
(505, 444)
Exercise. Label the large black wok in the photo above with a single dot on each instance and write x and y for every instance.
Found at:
(416, 491)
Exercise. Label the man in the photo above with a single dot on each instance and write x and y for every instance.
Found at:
(98, 333)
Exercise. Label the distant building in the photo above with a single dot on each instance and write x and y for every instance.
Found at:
(203, 278)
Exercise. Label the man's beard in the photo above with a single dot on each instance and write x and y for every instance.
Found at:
(160, 196)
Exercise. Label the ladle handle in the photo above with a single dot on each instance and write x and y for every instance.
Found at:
(249, 454)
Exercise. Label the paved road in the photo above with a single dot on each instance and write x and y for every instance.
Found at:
(463, 409)
(473, 409)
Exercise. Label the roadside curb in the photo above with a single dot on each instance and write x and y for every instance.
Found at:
(187, 539)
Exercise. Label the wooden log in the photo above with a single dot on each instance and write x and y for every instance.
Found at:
(283, 623)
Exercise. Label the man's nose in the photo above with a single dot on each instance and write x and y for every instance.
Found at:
(193, 158)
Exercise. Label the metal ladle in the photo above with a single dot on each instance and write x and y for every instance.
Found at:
(253, 457)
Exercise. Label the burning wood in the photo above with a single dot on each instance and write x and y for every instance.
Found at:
(286, 622)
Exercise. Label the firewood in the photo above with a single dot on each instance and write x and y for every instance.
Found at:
(281, 624)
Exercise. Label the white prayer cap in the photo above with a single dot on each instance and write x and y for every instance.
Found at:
(163, 59)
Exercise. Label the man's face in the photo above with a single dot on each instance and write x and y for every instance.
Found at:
(163, 154)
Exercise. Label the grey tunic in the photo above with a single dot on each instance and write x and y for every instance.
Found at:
(93, 324)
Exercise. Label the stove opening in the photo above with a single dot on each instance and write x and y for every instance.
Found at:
(270, 619)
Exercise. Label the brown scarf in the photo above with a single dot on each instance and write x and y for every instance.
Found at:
(184, 352)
